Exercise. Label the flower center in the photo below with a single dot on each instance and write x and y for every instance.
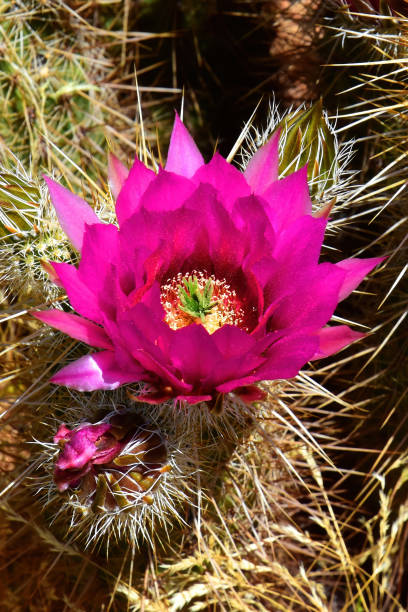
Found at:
(202, 299)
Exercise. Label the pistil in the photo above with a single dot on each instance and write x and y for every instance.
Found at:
(194, 301)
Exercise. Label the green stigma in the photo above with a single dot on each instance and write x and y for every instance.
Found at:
(195, 301)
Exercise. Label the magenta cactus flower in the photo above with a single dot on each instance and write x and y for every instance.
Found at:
(211, 282)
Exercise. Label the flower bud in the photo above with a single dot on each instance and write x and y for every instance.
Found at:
(110, 465)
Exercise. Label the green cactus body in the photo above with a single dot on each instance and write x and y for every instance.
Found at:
(30, 237)
(48, 94)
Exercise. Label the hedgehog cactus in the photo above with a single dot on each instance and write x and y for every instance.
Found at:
(196, 297)
(20, 201)
(121, 475)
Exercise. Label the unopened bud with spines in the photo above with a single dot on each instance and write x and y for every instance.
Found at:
(118, 477)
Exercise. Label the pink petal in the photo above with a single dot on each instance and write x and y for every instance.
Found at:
(167, 192)
(110, 449)
(312, 299)
(117, 174)
(147, 340)
(227, 180)
(289, 198)
(295, 257)
(153, 396)
(287, 356)
(95, 371)
(76, 327)
(92, 431)
(193, 353)
(262, 169)
(356, 270)
(99, 252)
(76, 453)
(183, 157)
(80, 446)
(214, 234)
(72, 212)
(82, 299)
(133, 188)
(333, 339)
(231, 342)
(64, 479)
(241, 357)
(160, 369)
(299, 244)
